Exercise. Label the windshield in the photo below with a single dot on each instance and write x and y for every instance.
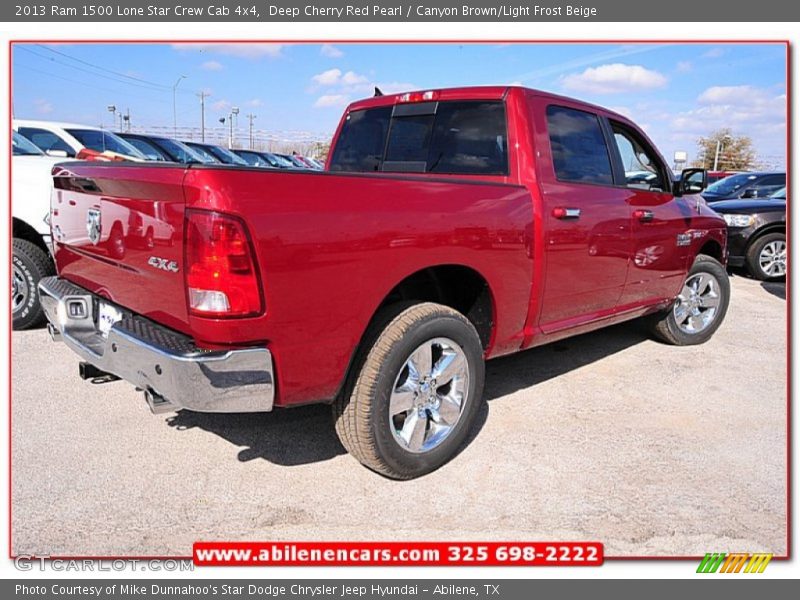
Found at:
(226, 156)
(203, 153)
(278, 161)
(731, 184)
(181, 152)
(102, 141)
(780, 194)
(21, 146)
(146, 148)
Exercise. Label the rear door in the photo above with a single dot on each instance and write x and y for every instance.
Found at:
(586, 218)
(661, 223)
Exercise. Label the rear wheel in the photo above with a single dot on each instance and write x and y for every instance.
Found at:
(29, 263)
(766, 258)
(417, 392)
(700, 307)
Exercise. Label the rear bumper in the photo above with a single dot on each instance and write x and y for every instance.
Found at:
(165, 364)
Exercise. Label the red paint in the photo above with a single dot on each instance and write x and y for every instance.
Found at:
(330, 247)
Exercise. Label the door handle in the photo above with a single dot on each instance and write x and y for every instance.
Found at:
(644, 216)
(562, 212)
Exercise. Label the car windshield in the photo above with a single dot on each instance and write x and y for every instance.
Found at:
(278, 161)
(146, 148)
(226, 156)
(182, 152)
(731, 184)
(22, 146)
(102, 141)
(207, 157)
(780, 194)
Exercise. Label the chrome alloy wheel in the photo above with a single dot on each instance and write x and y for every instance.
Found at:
(19, 289)
(697, 304)
(429, 395)
(772, 259)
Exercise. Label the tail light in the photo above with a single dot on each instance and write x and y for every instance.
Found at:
(221, 274)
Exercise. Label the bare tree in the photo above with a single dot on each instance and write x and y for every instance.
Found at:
(725, 152)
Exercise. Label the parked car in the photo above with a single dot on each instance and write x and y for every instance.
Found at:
(31, 185)
(264, 159)
(160, 148)
(715, 176)
(745, 186)
(381, 285)
(295, 160)
(756, 234)
(76, 141)
(218, 153)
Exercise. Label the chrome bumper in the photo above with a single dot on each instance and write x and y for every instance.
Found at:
(167, 365)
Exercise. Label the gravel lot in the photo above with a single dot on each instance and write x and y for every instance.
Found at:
(651, 449)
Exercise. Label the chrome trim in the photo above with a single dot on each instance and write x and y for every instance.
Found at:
(240, 380)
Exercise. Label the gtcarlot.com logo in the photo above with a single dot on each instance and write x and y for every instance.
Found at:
(26, 562)
(734, 562)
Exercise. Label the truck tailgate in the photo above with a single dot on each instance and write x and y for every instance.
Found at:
(118, 232)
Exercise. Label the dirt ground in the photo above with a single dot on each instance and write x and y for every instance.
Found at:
(610, 436)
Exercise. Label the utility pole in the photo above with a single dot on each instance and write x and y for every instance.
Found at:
(174, 105)
(251, 117)
(234, 113)
(203, 95)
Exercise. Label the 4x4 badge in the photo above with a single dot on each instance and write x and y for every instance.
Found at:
(163, 264)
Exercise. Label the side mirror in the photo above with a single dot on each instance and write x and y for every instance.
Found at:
(749, 193)
(57, 153)
(692, 181)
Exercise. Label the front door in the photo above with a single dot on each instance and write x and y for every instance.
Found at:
(661, 233)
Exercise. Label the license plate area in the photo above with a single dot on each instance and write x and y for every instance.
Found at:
(107, 315)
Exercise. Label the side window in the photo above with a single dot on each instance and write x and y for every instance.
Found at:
(767, 185)
(578, 146)
(361, 142)
(46, 140)
(642, 168)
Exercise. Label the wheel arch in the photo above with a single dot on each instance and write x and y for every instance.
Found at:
(24, 231)
(777, 227)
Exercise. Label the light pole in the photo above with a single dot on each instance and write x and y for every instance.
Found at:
(719, 147)
(203, 95)
(251, 117)
(234, 112)
(112, 108)
(174, 105)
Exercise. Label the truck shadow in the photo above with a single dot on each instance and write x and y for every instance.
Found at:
(305, 435)
(776, 288)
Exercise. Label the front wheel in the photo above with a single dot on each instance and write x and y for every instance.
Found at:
(417, 392)
(700, 307)
(766, 258)
(29, 263)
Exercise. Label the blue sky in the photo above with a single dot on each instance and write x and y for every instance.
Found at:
(676, 92)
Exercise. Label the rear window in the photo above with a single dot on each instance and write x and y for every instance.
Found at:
(46, 140)
(466, 138)
(578, 146)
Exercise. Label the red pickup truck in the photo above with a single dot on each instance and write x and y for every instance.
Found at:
(449, 227)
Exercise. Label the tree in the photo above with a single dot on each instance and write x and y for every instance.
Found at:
(736, 153)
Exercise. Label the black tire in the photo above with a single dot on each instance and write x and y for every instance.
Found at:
(665, 325)
(362, 412)
(29, 263)
(753, 258)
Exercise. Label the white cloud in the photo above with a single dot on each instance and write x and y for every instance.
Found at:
(221, 105)
(714, 53)
(684, 66)
(42, 106)
(351, 78)
(728, 94)
(244, 50)
(212, 65)
(329, 77)
(614, 79)
(330, 100)
(255, 102)
(330, 51)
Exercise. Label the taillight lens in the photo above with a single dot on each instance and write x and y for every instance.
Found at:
(221, 273)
